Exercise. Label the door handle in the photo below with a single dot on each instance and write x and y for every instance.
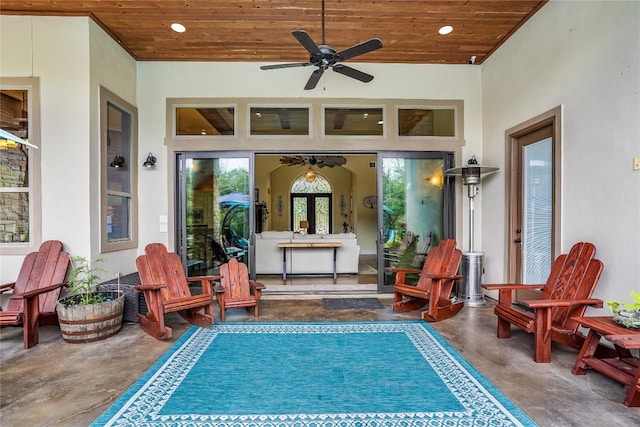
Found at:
(518, 240)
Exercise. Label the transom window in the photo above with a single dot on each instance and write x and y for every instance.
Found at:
(426, 122)
(205, 121)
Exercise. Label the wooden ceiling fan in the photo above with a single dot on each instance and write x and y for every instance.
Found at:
(313, 160)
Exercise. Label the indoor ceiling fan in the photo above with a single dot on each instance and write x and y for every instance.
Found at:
(325, 56)
(319, 161)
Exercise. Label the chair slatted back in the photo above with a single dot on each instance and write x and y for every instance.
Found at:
(40, 269)
(234, 277)
(443, 259)
(573, 277)
(159, 267)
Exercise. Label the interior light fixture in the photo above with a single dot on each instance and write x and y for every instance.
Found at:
(150, 162)
(310, 176)
(178, 28)
(303, 226)
(118, 161)
(445, 30)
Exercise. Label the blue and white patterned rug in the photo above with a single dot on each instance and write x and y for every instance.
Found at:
(313, 375)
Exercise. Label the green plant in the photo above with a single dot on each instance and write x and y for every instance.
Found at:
(83, 282)
(627, 314)
(616, 306)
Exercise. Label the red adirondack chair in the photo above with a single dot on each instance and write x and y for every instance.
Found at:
(437, 277)
(166, 290)
(236, 289)
(566, 294)
(36, 291)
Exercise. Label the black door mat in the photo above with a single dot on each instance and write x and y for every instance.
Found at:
(351, 303)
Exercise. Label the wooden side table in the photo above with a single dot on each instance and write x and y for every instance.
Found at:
(624, 367)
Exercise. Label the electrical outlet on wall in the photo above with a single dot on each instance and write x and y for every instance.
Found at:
(636, 163)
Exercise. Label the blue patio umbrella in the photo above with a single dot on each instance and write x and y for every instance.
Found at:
(8, 135)
(234, 197)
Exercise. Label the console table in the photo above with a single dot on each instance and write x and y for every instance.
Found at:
(292, 246)
(624, 367)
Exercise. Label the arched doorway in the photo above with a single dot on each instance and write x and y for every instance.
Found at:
(311, 204)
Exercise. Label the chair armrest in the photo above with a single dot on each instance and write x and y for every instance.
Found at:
(256, 285)
(218, 288)
(510, 287)
(205, 281)
(141, 288)
(543, 303)
(39, 291)
(441, 276)
(7, 287)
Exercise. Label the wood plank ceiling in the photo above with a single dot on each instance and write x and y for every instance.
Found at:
(260, 30)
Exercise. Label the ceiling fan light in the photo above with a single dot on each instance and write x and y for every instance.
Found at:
(445, 30)
(310, 176)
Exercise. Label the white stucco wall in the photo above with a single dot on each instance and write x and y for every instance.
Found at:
(71, 57)
(114, 69)
(57, 51)
(581, 55)
(158, 81)
(584, 56)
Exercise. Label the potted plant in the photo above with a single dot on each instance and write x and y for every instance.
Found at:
(88, 313)
(627, 314)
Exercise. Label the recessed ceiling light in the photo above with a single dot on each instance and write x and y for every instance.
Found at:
(178, 28)
(445, 30)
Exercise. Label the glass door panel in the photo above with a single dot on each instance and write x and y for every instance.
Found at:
(415, 212)
(214, 210)
(538, 211)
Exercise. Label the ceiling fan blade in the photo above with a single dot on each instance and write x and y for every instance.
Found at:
(291, 65)
(360, 49)
(313, 80)
(353, 73)
(306, 41)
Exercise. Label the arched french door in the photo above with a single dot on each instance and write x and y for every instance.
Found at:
(311, 202)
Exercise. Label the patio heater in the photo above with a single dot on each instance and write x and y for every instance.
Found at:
(471, 174)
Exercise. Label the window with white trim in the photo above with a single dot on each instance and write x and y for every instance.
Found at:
(19, 166)
(119, 143)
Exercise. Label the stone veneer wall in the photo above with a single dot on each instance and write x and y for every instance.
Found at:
(14, 206)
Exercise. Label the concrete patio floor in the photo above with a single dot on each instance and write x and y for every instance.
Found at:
(60, 384)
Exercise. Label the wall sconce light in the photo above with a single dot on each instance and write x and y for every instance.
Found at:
(150, 162)
(118, 161)
(436, 179)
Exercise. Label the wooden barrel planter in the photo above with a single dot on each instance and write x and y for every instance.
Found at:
(93, 322)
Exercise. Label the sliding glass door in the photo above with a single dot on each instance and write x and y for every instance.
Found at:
(215, 209)
(416, 212)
